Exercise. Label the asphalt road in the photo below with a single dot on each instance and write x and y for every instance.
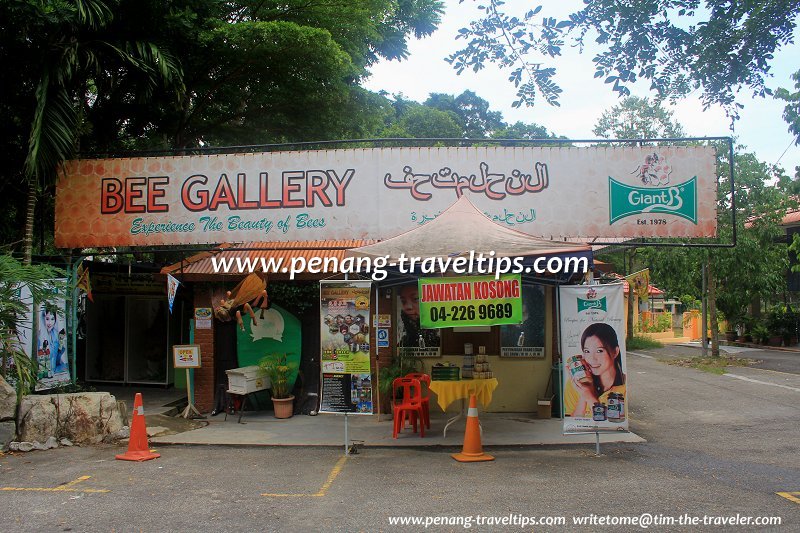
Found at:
(717, 446)
(778, 360)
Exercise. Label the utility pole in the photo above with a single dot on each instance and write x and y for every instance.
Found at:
(712, 298)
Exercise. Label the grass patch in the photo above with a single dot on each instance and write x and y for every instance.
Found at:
(639, 342)
(713, 365)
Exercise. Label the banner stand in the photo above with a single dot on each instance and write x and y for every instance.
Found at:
(346, 439)
(597, 444)
(187, 356)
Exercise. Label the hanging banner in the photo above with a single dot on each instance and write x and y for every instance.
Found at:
(344, 339)
(470, 301)
(52, 351)
(620, 192)
(593, 358)
(172, 289)
(640, 282)
(84, 283)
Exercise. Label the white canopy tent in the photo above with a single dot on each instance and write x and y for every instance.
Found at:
(461, 229)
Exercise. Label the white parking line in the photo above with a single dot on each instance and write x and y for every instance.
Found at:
(641, 355)
(795, 389)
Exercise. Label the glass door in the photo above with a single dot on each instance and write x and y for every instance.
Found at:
(105, 346)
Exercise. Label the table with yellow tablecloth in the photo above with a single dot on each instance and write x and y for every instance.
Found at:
(449, 391)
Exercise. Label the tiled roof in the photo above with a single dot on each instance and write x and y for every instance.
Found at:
(199, 267)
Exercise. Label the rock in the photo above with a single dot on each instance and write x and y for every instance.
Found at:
(51, 443)
(7, 432)
(38, 446)
(21, 446)
(155, 431)
(80, 417)
(8, 400)
(97, 439)
(65, 442)
(123, 433)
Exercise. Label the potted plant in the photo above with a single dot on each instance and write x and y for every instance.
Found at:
(760, 333)
(278, 371)
(781, 323)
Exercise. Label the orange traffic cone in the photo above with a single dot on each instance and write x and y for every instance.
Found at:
(138, 449)
(472, 450)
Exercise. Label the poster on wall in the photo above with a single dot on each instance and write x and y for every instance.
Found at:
(664, 191)
(51, 348)
(345, 345)
(593, 359)
(412, 340)
(527, 338)
(202, 317)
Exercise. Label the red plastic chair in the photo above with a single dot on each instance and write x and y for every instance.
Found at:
(410, 390)
(426, 395)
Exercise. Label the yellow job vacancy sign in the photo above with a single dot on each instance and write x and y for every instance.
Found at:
(470, 301)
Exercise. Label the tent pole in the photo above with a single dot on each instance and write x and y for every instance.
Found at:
(377, 363)
(558, 352)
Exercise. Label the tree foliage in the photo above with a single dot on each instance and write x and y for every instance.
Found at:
(715, 46)
(15, 365)
(472, 112)
(637, 118)
(757, 265)
(116, 75)
(449, 116)
(791, 112)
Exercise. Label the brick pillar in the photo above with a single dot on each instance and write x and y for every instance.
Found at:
(204, 376)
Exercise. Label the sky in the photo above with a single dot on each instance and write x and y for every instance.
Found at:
(761, 127)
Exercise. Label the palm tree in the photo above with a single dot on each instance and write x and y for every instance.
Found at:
(70, 48)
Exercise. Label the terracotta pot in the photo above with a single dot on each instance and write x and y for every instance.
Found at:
(284, 407)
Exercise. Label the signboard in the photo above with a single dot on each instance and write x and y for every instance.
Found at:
(384, 321)
(620, 192)
(186, 356)
(202, 317)
(345, 362)
(470, 301)
(594, 359)
(383, 338)
(134, 283)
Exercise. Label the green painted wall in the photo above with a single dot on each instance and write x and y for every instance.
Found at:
(278, 332)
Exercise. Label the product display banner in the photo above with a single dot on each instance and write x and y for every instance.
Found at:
(344, 340)
(470, 301)
(593, 358)
(614, 192)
